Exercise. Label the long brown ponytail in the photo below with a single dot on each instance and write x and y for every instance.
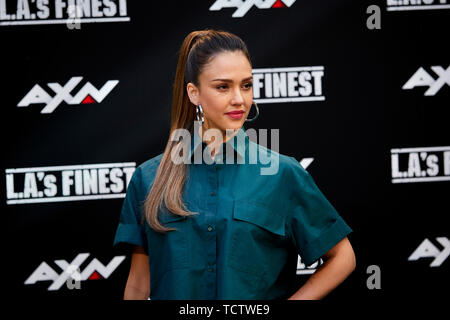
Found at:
(197, 50)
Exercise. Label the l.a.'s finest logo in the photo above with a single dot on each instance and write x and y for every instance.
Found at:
(428, 250)
(420, 164)
(95, 270)
(87, 94)
(243, 6)
(421, 78)
(295, 84)
(68, 183)
(408, 5)
(32, 12)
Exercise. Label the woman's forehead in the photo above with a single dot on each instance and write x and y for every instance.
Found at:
(227, 65)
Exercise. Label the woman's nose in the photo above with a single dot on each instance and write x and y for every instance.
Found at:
(237, 97)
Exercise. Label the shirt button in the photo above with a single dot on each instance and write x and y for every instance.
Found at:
(211, 269)
(210, 228)
(212, 193)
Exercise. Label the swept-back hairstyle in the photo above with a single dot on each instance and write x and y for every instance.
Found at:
(197, 50)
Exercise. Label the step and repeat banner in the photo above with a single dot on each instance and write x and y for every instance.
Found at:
(359, 91)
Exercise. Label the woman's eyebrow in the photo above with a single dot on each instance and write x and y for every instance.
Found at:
(229, 80)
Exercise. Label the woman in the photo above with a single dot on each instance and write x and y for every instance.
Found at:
(215, 230)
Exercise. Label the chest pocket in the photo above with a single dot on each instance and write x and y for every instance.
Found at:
(170, 250)
(258, 238)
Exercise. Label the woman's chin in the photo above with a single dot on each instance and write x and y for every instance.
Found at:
(233, 125)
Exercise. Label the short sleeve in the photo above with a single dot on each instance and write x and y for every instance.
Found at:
(313, 224)
(130, 229)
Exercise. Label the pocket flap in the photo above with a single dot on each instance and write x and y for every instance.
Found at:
(259, 215)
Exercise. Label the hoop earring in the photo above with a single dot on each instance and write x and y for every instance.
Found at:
(257, 114)
(199, 114)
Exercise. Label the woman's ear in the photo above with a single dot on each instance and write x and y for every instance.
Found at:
(192, 92)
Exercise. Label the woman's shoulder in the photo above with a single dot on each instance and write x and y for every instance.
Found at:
(146, 171)
(286, 164)
(152, 163)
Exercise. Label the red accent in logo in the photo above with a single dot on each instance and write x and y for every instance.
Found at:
(88, 99)
(279, 4)
(95, 275)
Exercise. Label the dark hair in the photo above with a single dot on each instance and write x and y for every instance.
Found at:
(206, 45)
(197, 50)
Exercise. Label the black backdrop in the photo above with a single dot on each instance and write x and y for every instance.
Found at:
(351, 135)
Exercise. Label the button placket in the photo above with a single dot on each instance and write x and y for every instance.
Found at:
(210, 232)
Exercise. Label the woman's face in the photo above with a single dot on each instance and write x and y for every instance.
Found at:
(225, 85)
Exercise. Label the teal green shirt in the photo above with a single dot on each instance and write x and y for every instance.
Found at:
(249, 230)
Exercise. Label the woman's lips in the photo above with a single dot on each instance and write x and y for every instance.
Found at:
(235, 114)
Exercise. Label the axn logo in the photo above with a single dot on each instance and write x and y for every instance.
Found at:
(421, 78)
(87, 94)
(304, 269)
(243, 6)
(428, 250)
(95, 270)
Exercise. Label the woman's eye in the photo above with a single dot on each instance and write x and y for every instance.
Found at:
(246, 86)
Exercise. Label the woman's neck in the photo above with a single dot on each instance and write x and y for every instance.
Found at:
(215, 146)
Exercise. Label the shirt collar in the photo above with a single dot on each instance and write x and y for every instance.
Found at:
(238, 143)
